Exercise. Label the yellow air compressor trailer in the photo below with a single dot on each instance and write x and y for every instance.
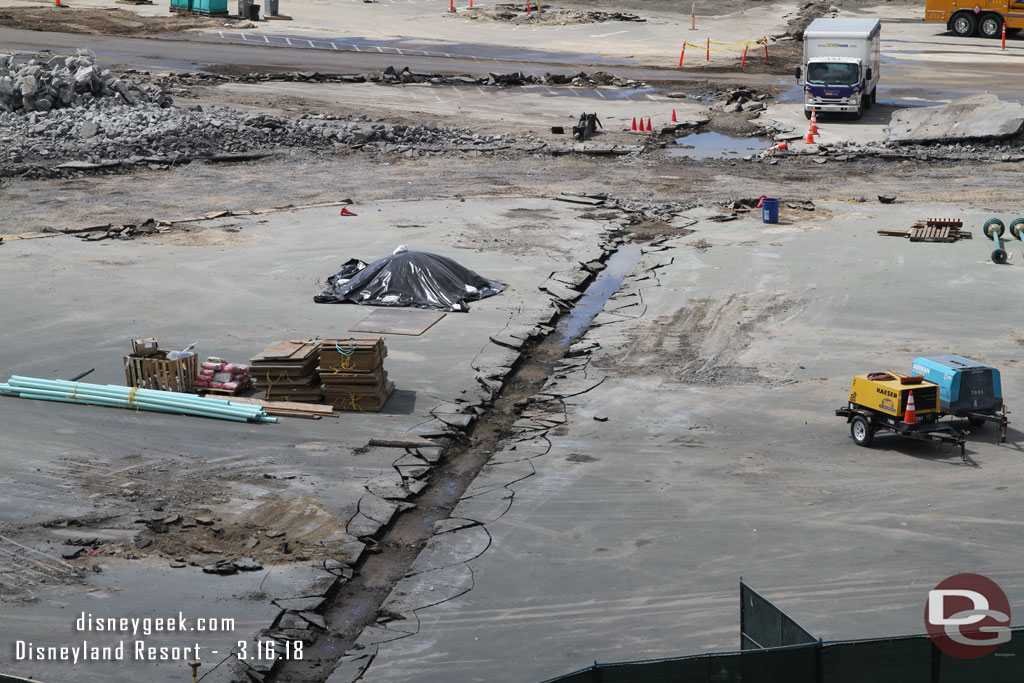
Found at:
(905, 405)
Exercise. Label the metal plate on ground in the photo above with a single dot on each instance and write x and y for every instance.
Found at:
(409, 321)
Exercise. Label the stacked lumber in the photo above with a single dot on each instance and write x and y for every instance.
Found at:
(932, 230)
(286, 370)
(352, 375)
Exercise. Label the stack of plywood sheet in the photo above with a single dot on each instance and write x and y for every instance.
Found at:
(352, 375)
(287, 371)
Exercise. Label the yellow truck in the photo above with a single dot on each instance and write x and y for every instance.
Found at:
(905, 405)
(984, 17)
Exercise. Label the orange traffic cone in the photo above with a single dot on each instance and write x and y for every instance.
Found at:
(346, 212)
(814, 121)
(674, 120)
(809, 138)
(911, 415)
(781, 147)
(633, 129)
(650, 129)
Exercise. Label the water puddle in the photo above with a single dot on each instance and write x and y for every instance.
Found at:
(608, 281)
(717, 146)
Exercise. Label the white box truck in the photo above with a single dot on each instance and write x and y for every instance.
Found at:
(840, 69)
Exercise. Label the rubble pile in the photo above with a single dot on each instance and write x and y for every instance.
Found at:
(393, 76)
(65, 82)
(740, 100)
(109, 134)
(549, 16)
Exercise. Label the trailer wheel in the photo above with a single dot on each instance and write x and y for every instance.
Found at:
(999, 256)
(964, 24)
(861, 431)
(1017, 228)
(993, 225)
(990, 26)
(975, 421)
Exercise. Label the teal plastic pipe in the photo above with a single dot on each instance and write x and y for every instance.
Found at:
(143, 399)
(95, 392)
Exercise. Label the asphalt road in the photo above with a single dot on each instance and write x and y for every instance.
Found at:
(179, 52)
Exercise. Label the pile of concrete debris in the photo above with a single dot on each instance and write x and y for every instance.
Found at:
(110, 134)
(63, 82)
(740, 100)
(393, 76)
(548, 16)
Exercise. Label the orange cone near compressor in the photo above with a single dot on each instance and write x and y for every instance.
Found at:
(910, 417)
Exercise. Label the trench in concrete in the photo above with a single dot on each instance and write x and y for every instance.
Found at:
(356, 604)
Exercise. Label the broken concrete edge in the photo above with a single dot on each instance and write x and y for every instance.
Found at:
(52, 232)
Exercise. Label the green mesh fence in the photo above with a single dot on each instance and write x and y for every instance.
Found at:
(763, 625)
(776, 649)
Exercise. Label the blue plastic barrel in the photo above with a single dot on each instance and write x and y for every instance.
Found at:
(770, 210)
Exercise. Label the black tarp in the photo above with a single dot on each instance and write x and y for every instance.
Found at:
(408, 278)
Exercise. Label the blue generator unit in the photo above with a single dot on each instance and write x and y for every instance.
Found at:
(967, 388)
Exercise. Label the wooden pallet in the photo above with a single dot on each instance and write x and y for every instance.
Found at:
(932, 230)
(222, 392)
(149, 372)
(930, 233)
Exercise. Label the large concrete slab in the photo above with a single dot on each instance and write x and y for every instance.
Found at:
(710, 452)
(236, 284)
(976, 117)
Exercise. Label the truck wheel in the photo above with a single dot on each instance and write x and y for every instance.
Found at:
(1017, 228)
(868, 101)
(874, 97)
(862, 431)
(990, 26)
(860, 110)
(975, 421)
(964, 24)
(993, 225)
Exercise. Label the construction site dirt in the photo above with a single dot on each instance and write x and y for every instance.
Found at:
(579, 468)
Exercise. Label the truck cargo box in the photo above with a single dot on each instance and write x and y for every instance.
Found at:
(964, 385)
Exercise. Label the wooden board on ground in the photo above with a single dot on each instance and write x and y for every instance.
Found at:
(408, 321)
(288, 408)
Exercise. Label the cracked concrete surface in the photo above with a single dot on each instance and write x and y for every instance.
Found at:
(627, 534)
(79, 468)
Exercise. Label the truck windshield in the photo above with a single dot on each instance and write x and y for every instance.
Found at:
(832, 73)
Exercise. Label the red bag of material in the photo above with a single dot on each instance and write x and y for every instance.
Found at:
(203, 372)
(222, 377)
(207, 365)
(202, 383)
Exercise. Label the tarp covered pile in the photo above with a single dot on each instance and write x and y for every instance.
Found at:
(408, 278)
